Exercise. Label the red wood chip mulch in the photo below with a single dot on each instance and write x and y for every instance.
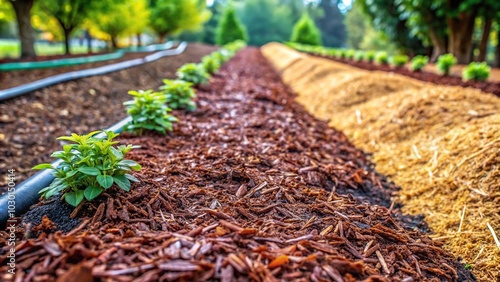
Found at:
(246, 188)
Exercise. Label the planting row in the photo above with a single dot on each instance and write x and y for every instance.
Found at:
(474, 71)
(246, 187)
(441, 144)
(30, 124)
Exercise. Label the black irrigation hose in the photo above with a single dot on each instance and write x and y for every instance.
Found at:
(26, 193)
(27, 88)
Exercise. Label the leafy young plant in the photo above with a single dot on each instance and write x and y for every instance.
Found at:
(179, 94)
(194, 73)
(399, 60)
(370, 56)
(358, 56)
(445, 62)
(476, 71)
(210, 63)
(89, 166)
(381, 58)
(350, 54)
(418, 62)
(149, 111)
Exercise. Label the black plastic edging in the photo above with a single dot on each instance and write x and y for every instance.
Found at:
(26, 88)
(26, 193)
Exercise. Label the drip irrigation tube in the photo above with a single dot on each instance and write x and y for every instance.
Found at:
(26, 88)
(26, 193)
(82, 60)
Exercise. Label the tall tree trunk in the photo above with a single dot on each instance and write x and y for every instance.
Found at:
(139, 42)
(114, 42)
(67, 32)
(439, 45)
(22, 9)
(460, 39)
(496, 61)
(161, 38)
(89, 41)
(484, 40)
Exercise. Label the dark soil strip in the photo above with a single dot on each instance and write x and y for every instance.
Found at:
(246, 188)
(489, 87)
(11, 79)
(30, 124)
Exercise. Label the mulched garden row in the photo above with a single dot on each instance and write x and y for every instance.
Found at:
(486, 86)
(249, 187)
(30, 124)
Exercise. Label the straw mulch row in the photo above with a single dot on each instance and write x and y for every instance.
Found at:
(249, 187)
(441, 144)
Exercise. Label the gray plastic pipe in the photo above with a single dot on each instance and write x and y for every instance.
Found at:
(26, 193)
(29, 87)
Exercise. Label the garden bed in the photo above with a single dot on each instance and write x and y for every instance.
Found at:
(30, 123)
(486, 86)
(247, 187)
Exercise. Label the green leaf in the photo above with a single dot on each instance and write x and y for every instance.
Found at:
(89, 170)
(131, 177)
(132, 164)
(122, 182)
(42, 166)
(92, 192)
(74, 198)
(105, 180)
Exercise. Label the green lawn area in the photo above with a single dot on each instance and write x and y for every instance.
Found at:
(11, 49)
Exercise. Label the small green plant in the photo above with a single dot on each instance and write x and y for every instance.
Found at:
(476, 71)
(235, 46)
(179, 94)
(211, 64)
(358, 56)
(418, 62)
(399, 60)
(194, 73)
(468, 266)
(341, 54)
(149, 111)
(381, 58)
(370, 56)
(445, 62)
(350, 54)
(88, 167)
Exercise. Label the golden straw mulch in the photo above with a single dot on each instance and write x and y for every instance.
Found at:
(440, 144)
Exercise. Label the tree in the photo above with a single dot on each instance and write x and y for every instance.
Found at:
(306, 32)
(125, 18)
(71, 14)
(331, 24)
(266, 21)
(173, 16)
(356, 26)
(230, 28)
(22, 9)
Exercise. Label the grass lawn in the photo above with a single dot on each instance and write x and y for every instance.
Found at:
(11, 48)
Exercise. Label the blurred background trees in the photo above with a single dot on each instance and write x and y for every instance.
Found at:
(468, 29)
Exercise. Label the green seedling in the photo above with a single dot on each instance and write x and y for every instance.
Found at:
(358, 56)
(399, 60)
(211, 64)
(445, 62)
(179, 94)
(149, 111)
(370, 56)
(89, 166)
(350, 54)
(418, 62)
(476, 71)
(381, 58)
(194, 73)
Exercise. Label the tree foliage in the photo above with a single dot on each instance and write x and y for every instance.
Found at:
(266, 21)
(230, 28)
(306, 32)
(173, 16)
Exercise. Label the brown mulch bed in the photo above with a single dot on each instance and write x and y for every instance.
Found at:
(249, 187)
(29, 124)
(488, 86)
(9, 79)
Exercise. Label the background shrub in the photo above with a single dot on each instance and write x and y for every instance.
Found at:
(306, 32)
(230, 28)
